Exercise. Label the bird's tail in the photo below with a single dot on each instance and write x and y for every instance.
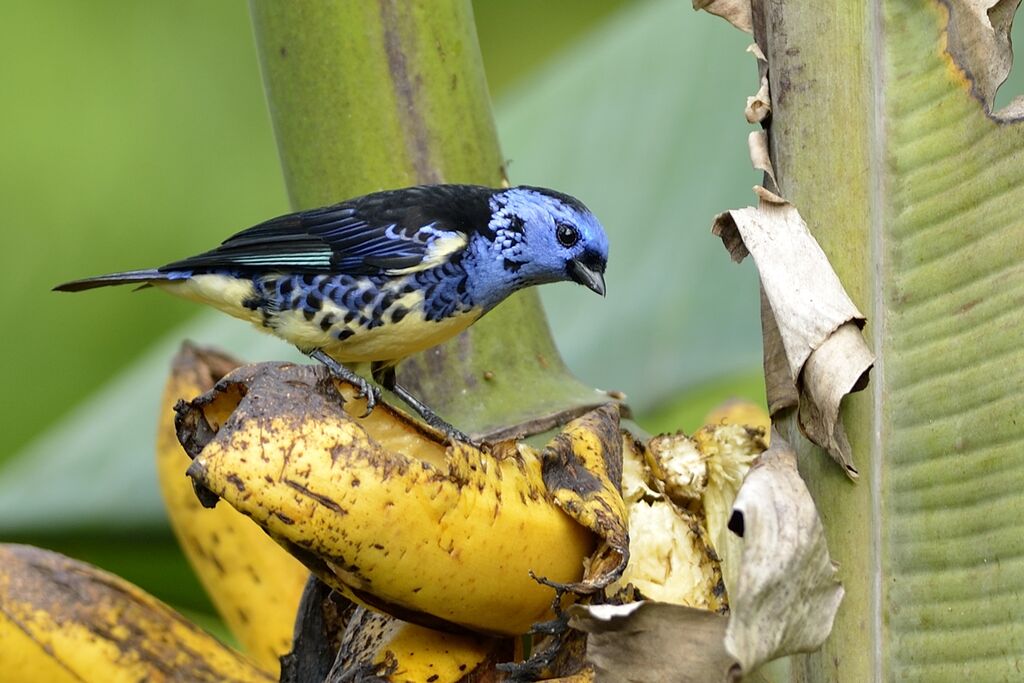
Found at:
(137, 277)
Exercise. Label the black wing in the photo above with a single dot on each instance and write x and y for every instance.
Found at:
(394, 230)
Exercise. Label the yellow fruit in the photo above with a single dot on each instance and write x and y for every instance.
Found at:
(442, 537)
(254, 584)
(399, 652)
(740, 412)
(703, 473)
(670, 558)
(62, 620)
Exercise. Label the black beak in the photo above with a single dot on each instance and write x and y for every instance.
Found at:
(586, 276)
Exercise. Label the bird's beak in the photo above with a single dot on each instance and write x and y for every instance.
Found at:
(586, 276)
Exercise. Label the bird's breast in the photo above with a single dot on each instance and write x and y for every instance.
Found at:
(381, 337)
(354, 319)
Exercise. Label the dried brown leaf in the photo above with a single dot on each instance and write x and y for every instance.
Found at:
(652, 641)
(757, 145)
(736, 12)
(779, 386)
(759, 105)
(808, 306)
(786, 594)
(979, 42)
(837, 368)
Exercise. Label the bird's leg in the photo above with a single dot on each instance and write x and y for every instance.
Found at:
(366, 390)
(384, 374)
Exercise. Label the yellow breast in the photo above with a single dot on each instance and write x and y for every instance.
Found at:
(390, 341)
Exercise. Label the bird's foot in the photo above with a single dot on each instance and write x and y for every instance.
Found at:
(385, 374)
(432, 418)
(450, 432)
(365, 390)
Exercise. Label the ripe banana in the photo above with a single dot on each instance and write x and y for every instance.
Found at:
(380, 647)
(63, 620)
(740, 412)
(679, 491)
(254, 584)
(379, 508)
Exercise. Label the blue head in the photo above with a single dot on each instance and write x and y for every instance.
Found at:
(544, 236)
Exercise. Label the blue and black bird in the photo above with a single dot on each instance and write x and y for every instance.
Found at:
(383, 276)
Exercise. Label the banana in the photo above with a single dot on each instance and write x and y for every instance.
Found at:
(679, 492)
(383, 648)
(702, 475)
(670, 557)
(254, 584)
(63, 620)
(380, 509)
(740, 412)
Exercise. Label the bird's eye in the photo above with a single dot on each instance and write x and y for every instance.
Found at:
(567, 235)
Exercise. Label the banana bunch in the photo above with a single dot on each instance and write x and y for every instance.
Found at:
(680, 490)
(446, 542)
(439, 556)
(62, 620)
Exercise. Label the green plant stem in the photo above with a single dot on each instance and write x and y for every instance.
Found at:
(372, 95)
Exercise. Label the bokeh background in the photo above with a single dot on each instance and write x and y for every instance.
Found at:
(137, 133)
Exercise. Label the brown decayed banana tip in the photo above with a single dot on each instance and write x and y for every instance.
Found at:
(381, 509)
(63, 620)
(253, 583)
(583, 473)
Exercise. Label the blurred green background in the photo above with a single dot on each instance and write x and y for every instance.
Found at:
(137, 133)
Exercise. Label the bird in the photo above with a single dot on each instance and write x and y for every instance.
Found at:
(383, 276)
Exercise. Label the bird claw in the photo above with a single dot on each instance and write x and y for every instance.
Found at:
(365, 390)
(371, 394)
(453, 434)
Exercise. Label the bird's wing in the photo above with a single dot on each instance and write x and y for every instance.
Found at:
(392, 232)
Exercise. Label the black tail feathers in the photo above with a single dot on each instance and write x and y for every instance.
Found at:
(137, 277)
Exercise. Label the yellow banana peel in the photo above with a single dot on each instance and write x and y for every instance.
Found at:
(384, 648)
(63, 620)
(446, 537)
(254, 584)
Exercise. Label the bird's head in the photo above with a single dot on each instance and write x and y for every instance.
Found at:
(546, 236)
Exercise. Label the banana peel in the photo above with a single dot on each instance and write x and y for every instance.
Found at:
(254, 584)
(380, 647)
(449, 537)
(63, 620)
(336, 640)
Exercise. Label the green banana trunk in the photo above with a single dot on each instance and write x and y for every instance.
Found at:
(366, 96)
(882, 134)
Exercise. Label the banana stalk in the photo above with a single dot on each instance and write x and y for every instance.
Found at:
(253, 583)
(63, 620)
